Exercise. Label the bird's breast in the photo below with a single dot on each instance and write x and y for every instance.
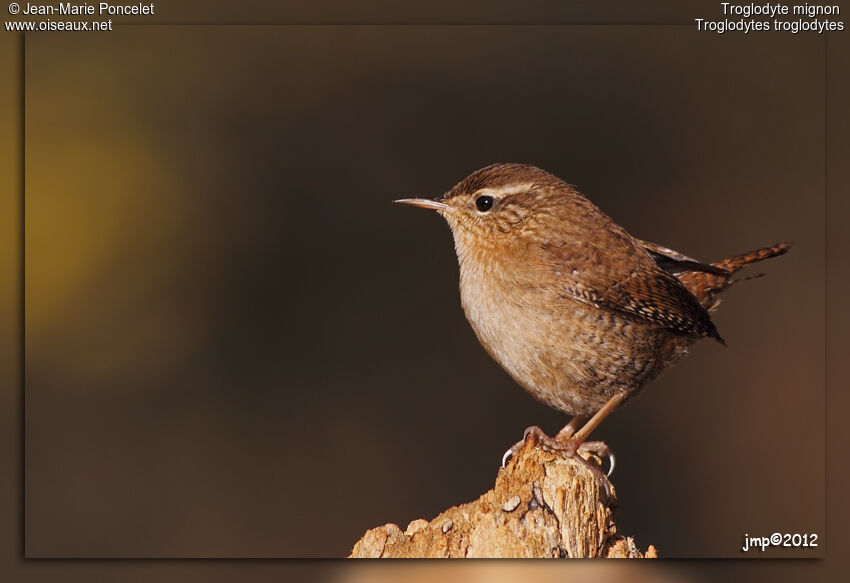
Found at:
(571, 355)
(516, 322)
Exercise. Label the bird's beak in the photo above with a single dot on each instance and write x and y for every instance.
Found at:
(437, 204)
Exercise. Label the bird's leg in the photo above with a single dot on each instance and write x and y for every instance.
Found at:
(574, 442)
(578, 441)
(570, 428)
(598, 448)
(568, 441)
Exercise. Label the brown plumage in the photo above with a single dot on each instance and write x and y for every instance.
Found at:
(576, 310)
(705, 281)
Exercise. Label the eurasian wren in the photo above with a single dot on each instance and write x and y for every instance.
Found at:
(580, 313)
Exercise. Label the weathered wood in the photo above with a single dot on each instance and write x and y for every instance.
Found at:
(542, 505)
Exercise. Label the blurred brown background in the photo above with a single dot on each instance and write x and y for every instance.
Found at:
(236, 346)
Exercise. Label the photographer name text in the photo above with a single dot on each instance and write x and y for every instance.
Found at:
(101, 9)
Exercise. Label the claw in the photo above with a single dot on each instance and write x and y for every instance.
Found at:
(507, 455)
(601, 449)
(568, 448)
(533, 433)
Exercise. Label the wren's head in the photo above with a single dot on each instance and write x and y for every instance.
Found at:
(504, 204)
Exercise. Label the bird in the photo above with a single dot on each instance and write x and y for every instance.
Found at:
(581, 314)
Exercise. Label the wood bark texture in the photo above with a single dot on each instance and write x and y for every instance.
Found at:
(542, 505)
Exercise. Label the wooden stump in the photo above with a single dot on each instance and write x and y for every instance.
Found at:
(542, 505)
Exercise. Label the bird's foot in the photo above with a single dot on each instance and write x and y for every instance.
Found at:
(568, 447)
(565, 446)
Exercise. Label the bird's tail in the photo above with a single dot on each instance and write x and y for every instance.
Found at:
(705, 285)
(733, 264)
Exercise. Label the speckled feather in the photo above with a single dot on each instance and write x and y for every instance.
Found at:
(578, 243)
(571, 305)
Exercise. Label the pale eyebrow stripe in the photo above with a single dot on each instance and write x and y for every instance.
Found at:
(506, 190)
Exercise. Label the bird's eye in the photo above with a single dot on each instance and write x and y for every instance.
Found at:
(484, 203)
